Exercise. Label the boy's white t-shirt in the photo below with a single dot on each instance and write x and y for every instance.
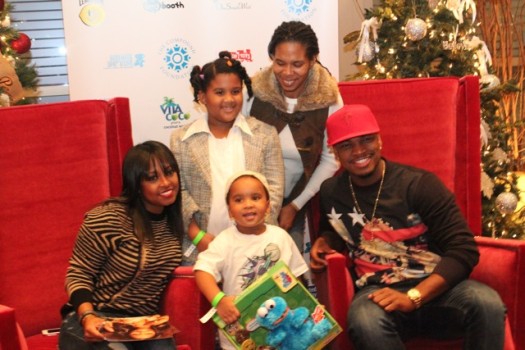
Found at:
(238, 259)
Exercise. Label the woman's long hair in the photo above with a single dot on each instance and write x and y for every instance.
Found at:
(135, 169)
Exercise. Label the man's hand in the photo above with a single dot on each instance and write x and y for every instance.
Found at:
(227, 310)
(392, 300)
(287, 216)
(318, 252)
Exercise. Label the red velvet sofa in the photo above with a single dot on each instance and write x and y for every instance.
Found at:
(434, 123)
(59, 160)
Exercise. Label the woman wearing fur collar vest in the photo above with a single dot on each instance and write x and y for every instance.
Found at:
(296, 94)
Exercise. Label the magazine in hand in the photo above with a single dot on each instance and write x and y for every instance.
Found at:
(137, 328)
(278, 312)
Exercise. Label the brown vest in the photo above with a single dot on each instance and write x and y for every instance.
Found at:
(307, 129)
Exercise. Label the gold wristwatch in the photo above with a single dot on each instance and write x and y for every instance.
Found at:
(415, 296)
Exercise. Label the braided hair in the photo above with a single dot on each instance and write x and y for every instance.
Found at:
(200, 78)
(295, 31)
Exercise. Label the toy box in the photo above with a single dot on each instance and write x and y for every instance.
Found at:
(278, 312)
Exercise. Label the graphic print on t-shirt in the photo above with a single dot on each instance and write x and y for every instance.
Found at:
(382, 254)
(255, 266)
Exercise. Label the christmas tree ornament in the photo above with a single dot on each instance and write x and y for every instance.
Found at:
(416, 29)
(6, 22)
(4, 100)
(482, 52)
(2, 3)
(366, 51)
(506, 202)
(10, 83)
(489, 82)
(22, 44)
(456, 7)
(470, 6)
(487, 185)
(433, 4)
(485, 134)
(366, 48)
(499, 155)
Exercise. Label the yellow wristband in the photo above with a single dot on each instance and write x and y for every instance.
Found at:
(217, 299)
(198, 238)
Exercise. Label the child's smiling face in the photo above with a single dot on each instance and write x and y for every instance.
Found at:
(248, 204)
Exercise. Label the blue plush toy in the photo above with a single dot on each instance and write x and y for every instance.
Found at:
(290, 329)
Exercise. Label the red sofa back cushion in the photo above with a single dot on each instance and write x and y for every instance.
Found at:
(55, 166)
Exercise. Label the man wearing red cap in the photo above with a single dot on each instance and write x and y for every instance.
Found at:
(411, 247)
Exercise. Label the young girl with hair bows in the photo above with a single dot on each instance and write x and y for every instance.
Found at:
(210, 150)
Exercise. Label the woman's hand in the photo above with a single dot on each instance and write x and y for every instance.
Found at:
(92, 324)
(287, 216)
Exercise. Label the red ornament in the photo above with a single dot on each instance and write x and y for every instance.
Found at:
(2, 5)
(22, 44)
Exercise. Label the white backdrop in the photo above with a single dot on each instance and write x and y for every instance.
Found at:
(145, 49)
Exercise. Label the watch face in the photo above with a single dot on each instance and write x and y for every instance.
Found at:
(414, 293)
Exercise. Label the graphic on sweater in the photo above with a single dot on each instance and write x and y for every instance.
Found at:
(384, 255)
(256, 266)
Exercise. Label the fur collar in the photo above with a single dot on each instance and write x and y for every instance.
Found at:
(321, 89)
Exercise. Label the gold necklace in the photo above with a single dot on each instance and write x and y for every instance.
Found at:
(373, 219)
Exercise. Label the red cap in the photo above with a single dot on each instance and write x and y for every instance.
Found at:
(350, 121)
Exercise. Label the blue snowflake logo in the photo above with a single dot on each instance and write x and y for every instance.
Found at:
(177, 58)
(298, 7)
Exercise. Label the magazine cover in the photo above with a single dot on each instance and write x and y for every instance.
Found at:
(137, 328)
(278, 312)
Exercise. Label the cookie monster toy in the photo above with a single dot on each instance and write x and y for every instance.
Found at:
(290, 329)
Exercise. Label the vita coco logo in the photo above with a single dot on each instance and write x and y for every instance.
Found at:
(299, 9)
(173, 113)
(157, 5)
(176, 55)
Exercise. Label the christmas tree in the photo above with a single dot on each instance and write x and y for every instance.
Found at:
(16, 74)
(437, 38)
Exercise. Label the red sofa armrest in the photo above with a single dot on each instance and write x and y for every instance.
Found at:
(502, 266)
(335, 290)
(185, 304)
(9, 331)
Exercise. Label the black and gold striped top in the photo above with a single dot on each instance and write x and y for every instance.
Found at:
(113, 270)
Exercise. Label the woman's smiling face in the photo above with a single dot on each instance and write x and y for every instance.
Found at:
(291, 66)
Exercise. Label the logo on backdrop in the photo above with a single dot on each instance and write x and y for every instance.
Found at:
(176, 55)
(92, 14)
(173, 113)
(158, 5)
(298, 9)
(229, 5)
(130, 60)
(242, 55)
